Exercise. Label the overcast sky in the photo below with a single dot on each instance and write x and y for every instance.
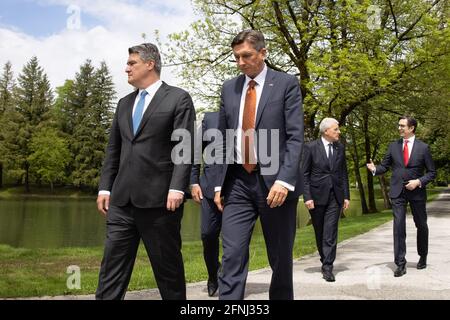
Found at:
(52, 31)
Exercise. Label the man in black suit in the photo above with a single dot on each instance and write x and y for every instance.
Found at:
(141, 186)
(202, 191)
(263, 108)
(408, 157)
(326, 190)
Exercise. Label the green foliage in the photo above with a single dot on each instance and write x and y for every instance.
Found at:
(349, 63)
(90, 133)
(32, 101)
(50, 155)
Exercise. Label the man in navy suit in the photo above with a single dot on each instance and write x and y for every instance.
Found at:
(202, 191)
(326, 190)
(264, 109)
(408, 157)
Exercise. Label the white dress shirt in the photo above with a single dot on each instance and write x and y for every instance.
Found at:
(325, 144)
(410, 145)
(151, 91)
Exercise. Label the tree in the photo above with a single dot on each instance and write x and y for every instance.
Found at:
(49, 155)
(345, 59)
(6, 103)
(32, 101)
(90, 134)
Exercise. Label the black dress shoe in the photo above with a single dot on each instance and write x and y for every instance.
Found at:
(212, 285)
(328, 275)
(401, 270)
(422, 264)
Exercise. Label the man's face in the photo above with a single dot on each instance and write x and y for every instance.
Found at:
(138, 70)
(404, 130)
(332, 133)
(249, 61)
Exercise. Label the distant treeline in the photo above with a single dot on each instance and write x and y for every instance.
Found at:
(48, 140)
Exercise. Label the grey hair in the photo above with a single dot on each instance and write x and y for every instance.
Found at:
(147, 52)
(326, 123)
(256, 38)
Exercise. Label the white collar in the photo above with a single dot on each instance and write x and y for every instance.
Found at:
(326, 142)
(151, 89)
(259, 79)
(410, 139)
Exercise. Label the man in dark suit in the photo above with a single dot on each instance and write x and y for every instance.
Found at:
(202, 191)
(267, 103)
(326, 190)
(141, 186)
(408, 157)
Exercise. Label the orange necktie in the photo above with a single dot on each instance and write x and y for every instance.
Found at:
(248, 126)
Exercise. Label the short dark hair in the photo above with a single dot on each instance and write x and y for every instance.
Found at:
(147, 52)
(256, 38)
(410, 121)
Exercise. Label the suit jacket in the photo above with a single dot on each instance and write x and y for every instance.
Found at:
(138, 168)
(280, 108)
(208, 178)
(419, 160)
(319, 178)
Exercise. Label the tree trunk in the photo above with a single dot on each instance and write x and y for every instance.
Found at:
(51, 186)
(384, 192)
(370, 189)
(355, 158)
(1, 175)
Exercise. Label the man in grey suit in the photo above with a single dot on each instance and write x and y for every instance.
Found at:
(141, 186)
(326, 190)
(202, 191)
(264, 108)
(409, 158)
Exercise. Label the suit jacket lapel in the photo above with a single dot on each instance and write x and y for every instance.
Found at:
(413, 152)
(239, 90)
(266, 92)
(400, 151)
(323, 153)
(336, 154)
(129, 112)
(154, 104)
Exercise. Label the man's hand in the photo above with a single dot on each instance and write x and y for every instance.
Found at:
(103, 204)
(412, 184)
(174, 200)
(346, 204)
(196, 193)
(371, 166)
(309, 204)
(277, 195)
(218, 201)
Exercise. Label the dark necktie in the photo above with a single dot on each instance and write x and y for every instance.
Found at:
(330, 155)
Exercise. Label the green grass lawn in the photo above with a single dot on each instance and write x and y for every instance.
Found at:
(39, 272)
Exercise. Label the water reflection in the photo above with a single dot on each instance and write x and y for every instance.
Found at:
(35, 223)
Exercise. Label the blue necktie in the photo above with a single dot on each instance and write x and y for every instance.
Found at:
(137, 116)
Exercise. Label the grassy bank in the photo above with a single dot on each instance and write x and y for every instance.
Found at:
(14, 192)
(38, 272)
